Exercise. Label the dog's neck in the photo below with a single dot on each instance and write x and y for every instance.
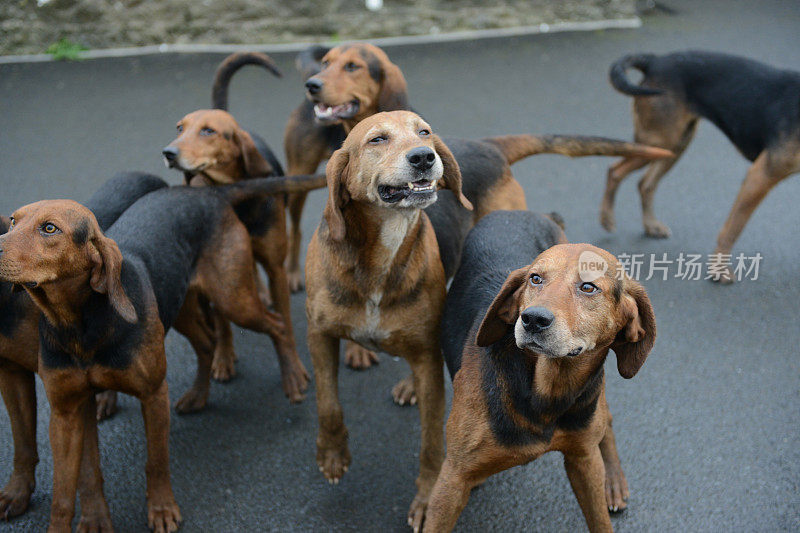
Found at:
(382, 236)
(61, 301)
(562, 377)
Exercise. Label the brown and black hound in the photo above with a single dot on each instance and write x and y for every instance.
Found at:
(212, 149)
(19, 356)
(526, 353)
(374, 275)
(348, 83)
(108, 300)
(755, 105)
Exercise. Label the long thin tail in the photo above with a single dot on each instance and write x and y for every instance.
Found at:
(516, 147)
(229, 66)
(308, 61)
(621, 82)
(243, 190)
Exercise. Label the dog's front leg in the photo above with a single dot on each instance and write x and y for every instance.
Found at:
(163, 514)
(448, 498)
(586, 474)
(17, 386)
(333, 455)
(66, 441)
(428, 372)
(94, 509)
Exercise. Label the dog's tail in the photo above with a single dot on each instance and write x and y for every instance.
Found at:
(516, 147)
(558, 219)
(308, 61)
(229, 66)
(621, 82)
(245, 190)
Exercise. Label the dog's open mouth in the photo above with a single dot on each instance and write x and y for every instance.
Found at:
(326, 113)
(392, 194)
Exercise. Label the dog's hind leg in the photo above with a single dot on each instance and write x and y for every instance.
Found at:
(616, 174)
(192, 324)
(767, 171)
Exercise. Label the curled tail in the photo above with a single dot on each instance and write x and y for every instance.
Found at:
(229, 66)
(621, 82)
(308, 61)
(244, 190)
(516, 147)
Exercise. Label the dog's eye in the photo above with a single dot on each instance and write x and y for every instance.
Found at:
(50, 229)
(588, 288)
(424, 132)
(350, 67)
(180, 128)
(324, 64)
(536, 279)
(377, 140)
(12, 224)
(207, 131)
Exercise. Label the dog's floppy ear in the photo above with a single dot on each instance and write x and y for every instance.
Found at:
(336, 174)
(638, 334)
(106, 270)
(451, 177)
(394, 91)
(504, 311)
(254, 163)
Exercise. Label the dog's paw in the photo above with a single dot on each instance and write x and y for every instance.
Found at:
(294, 379)
(656, 230)
(403, 392)
(359, 358)
(296, 279)
(191, 402)
(223, 367)
(416, 513)
(608, 221)
(15, 496)
(333, 463)
(91, 523)
(616, 490)
(163, 517)
(106, 404)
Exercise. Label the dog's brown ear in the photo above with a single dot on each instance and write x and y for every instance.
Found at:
(106, 272)
(504, 311)
(336, 174)
(638, 334)
(254, 163)
(451, 177)
(394, 91)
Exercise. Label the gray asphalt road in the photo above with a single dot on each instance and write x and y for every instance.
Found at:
(708, 430)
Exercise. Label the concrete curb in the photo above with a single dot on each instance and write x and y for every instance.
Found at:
(559, 27)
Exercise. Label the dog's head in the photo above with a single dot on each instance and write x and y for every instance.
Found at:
(59, 240)
(211, 143)
(355, 81)
(571, 303)
(391, 160)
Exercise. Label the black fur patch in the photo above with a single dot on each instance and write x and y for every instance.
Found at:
(12, 309)
(81, 233)
(373, 65)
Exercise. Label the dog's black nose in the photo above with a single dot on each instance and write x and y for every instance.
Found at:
(313, 85)
(421, 158)
(170, 153)
(536, 319)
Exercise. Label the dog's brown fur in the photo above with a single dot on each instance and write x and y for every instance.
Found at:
(363, 72)
(619, 318)
(61, 273)
(374, 275)
(229, 155)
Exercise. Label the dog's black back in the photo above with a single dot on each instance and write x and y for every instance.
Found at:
(500, 242)
(259, 214)
(755, 105)
(162, 235)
